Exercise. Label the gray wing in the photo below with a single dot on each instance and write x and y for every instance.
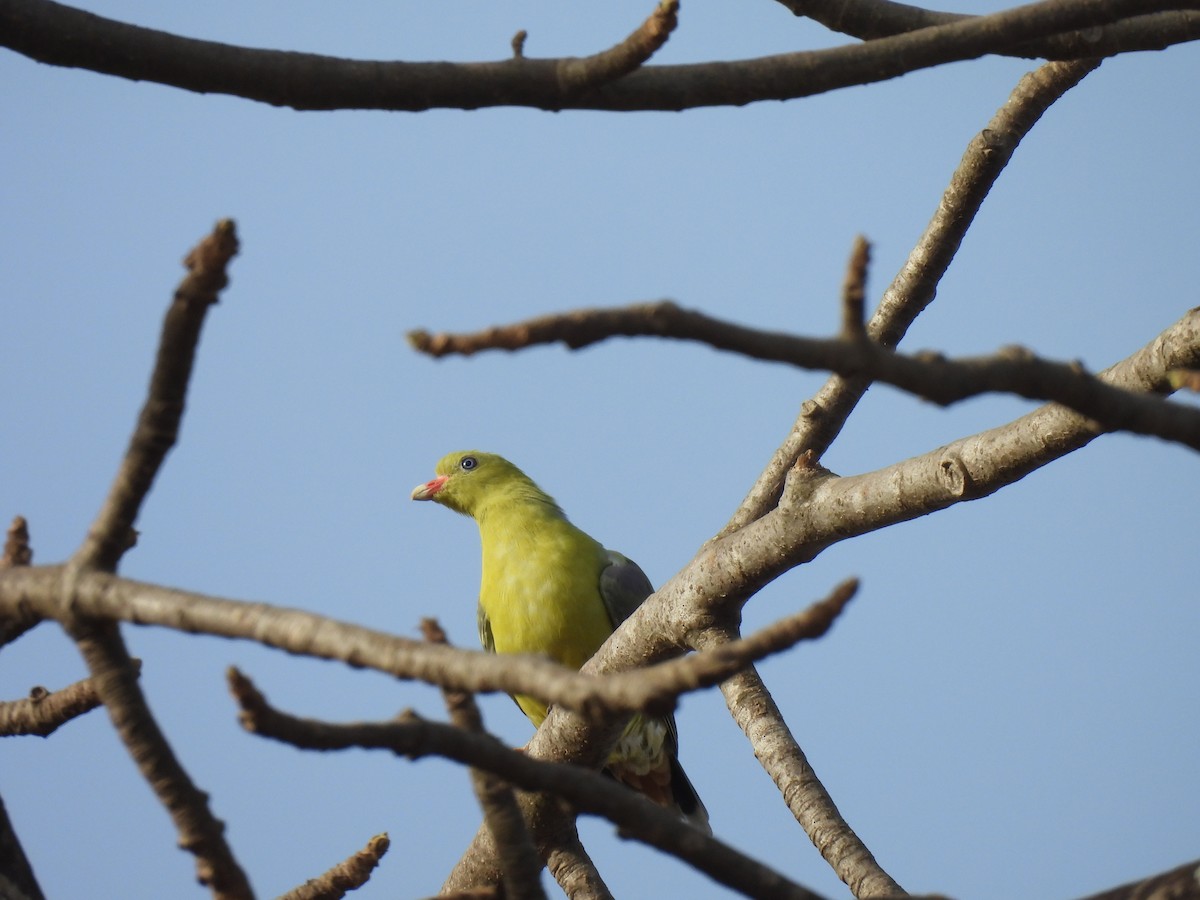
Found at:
(485, 631)
(623, 587)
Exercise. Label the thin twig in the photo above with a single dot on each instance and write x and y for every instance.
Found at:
(576, 76)
(854, 291)
(17, 552)
(348, 875)
(935, 378)
(43, 712)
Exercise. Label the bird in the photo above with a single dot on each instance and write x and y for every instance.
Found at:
(548, 588)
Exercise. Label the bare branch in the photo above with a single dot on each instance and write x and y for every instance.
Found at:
(588, 791)
(871, 19)
(43, 712)
(754, 709)
(1182, 883)
(17, 551)
(912, 290)
(17, 881)
(348, 875)
(574, 870)
(566, 737)
(200, 832)
(114, 673)
(158, 425)
(818, 509)
(854, 290)
(941, 380)
(103, 596)
(575, 76)
(519, 863)
(59, 35)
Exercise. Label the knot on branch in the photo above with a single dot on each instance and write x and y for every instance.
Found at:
(955, 476)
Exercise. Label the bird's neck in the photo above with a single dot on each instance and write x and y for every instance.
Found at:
(520, 508)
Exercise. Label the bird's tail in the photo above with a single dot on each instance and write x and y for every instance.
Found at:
(686, 799)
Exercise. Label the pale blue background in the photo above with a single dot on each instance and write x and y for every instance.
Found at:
(1009, 709)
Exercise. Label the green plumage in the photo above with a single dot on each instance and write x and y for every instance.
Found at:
(548, 588)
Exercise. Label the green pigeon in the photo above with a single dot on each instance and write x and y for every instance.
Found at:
(549, 589)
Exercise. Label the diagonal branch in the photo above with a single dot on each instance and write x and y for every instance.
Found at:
(113, 671)
(912, 290)
(43, 712)
(200, 832)
(588, 791)
(17, 879)
(348, 875)
(754, 709)
(576, 76)
(59, 35)
(158, 425)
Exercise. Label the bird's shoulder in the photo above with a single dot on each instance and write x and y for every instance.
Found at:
(623, 585)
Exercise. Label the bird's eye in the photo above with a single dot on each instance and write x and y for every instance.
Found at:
(468, 463)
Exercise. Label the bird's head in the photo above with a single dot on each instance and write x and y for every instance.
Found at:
(468, 480)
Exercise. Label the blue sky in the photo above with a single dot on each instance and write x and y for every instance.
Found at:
(1008, 708)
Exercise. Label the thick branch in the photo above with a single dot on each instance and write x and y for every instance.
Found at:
(941, 380)
(59, 35)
